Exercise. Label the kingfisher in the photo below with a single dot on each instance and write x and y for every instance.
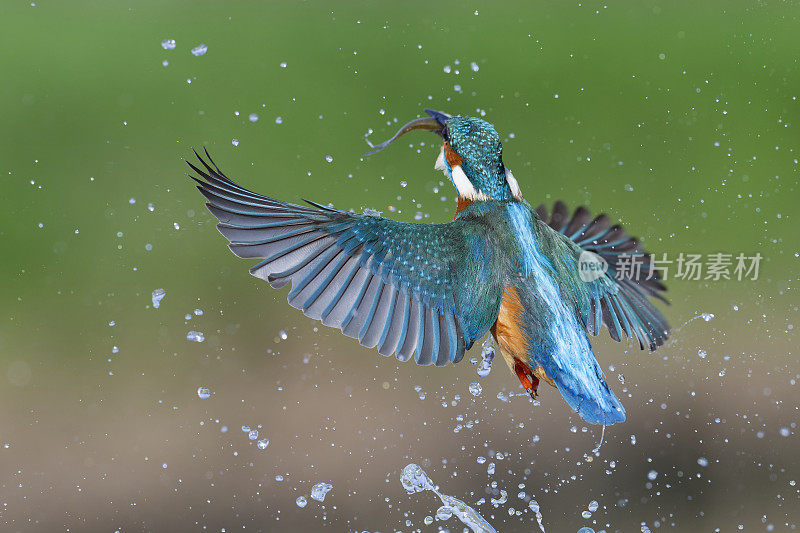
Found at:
(539, 281)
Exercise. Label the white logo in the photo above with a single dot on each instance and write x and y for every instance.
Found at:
(591, 266)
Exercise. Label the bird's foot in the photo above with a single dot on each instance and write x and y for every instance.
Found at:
(526, 377)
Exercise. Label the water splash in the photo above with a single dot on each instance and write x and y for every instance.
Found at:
(414, 479)
(706, 317)
(596, 449)
(534, 506)
(487, 356)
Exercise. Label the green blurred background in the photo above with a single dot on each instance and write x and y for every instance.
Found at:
(677, 118)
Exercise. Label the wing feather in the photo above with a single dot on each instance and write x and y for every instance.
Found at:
(391, 285)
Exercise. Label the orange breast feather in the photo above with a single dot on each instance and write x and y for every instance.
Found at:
(508, 329)
(510, 337)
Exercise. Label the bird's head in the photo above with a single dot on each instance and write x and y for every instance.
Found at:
(471, 156)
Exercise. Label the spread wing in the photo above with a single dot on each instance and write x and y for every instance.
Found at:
(421, 290)
(618, 299)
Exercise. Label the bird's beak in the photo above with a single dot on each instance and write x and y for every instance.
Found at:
(434, 123)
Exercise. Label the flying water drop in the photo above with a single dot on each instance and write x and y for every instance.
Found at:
(195, 336)
(157, 296)
(319, 491)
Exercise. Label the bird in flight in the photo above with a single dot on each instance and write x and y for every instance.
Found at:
(539, 281)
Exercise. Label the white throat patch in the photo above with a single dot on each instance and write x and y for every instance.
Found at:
(440, 164)
(460, 180)
(464, 186)
(513, 185)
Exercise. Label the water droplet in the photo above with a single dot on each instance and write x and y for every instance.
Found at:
(301, 501)
(168, 44)
(203, 393)
(252, 434)
(586, 530)
(652, 475)
(621, 378)
(278, 120)
(586, 514)
(475, 388)
(283, 335)
(253, 117)
(784, 431)
(283, 64)
(319, 491)
(198, 312)
(196, 336)
(199, 50)
(158, 295)
(444, 513)
(702, 461)
(593, 505)
(262, 444)
(329, 158)
(474, 66)
(708, 317)
(151, 207)
(235, 142)
(701, 353)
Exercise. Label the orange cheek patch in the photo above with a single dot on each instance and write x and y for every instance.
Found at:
(453, 159)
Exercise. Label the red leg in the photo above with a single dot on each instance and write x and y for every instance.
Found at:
(526, 377)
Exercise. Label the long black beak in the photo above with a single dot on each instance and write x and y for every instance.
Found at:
(435, 123)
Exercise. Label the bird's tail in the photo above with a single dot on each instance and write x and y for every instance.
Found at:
(559, 344)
